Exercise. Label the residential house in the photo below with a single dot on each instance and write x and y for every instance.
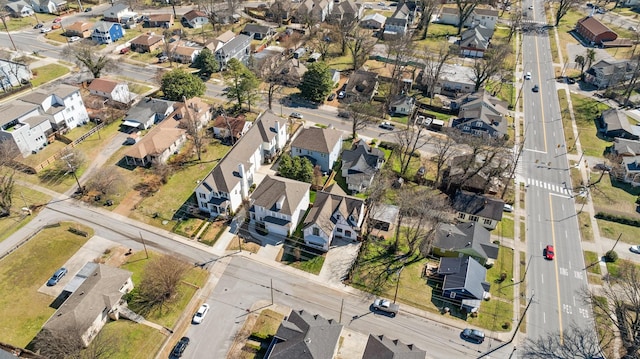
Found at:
(257, 31)
(605, 73)
(396, 25)
(362, 85)
(13, 74)
(464, 239)
(383, 217)
(303, 335)
(334, 215)
(347, 10)
(62, 104)
(24, 127)
(79, 28)
(316, 10)
(278, 204)
(594, 32)
(402, 105)
(280, 11)
(382, 347)
(475, 41)
(112, 90)
(455, 79)
(215, 44)
(97, 298)
(107, 32)
(472, 207)
(49, 6)
(470, 173)
(484, 17)
(230, 129)
(19, 8)
(631, 170)
(236, 48)
(147, 112)
(374, 21)
(614, 123)
(629, 3)
(486, 116)
(624, 147)
(8, 351)
(164, 21)
(195, 19)
(222, 191)
(463, 282)
(321, 146)
(147, 43)
(360, 164)
(118, 13)
(335, 76)
(185, 53)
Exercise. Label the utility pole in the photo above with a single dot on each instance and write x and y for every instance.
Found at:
(395, 296)
(144, 245)
(615, 244)
(73, 171)
(341, 307)
(2, 15)
(271, 291)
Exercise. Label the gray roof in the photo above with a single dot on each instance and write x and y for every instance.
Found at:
(39, 95)
(463, 273)
(117, 8)
(616, 120)
(386, 213)
(361, 161)
(379, 18)
(17, 6)
(256, 29)
(237, 41)
(623, 146)
(148, 107)
(15, 109)
(381, 347)
(362, 83)
(487, 109)
(306, 336)
(100, 290)
(321, 140)
(478, 205)
(273, 189)
(225, 176)
(477, 37)
(36, 120)
(465, 237)
(327, 204)
(103, 26)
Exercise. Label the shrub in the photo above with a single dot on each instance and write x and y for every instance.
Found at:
(618, 219)
(611, 256)
(388, 145)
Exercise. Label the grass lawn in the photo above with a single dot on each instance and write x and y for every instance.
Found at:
(567, 126)
(505, 229)
(613, 268)
(586, 232)
(133, 340)
(21, 274)
(614, 197)
(567, 24)
(267, 324)
(195, 277)
(21, 196)
(612, 230)
(46, 73)
(586, 110)
(592, 261)
(139, 88)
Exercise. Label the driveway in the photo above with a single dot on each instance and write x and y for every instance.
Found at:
(338, 261)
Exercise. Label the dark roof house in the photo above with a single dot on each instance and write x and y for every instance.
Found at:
(362, 85)
(463, 281)
(614, 123)
(485, 116)
(257, 31)
(453, 240)
(624, 147)
(472, 207)
(381, 347)
(360, 164)
(305, 336)
(594, 31)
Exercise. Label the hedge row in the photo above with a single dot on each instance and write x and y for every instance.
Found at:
(618, 219)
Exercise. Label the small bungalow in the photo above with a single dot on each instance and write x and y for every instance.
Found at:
(614, 123)
(194, 19)
(19, 9)
(464, 282)
(472, 207)
(360, 164)
(79, 28)
(382, 347)
(147, 43)
(257, 31)
(230, 128)
(402, 105)
(112, 90)
(164, 21)
(362, 85)
(147, 112)
(374, 21)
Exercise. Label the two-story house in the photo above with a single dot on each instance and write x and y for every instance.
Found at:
(63, 104)
(236, 48)
(362, 85)
(185, 53)
(24, 127)
(485, 116)
(333, 215)
(222, 191)
(396, 25)
(112, 90)
(463, 282)
(347, 10)
(360, 164)
(321, 146)
(278, 204)
(485, 17)
(605, 73)
(194, 19)
(49, 6)
(19, 9)
(314, 10)
(475, 41)
(107, 32)
(472, 207)
(117, 13)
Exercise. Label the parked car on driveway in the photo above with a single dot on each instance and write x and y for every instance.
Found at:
(74, 38)
(44, 30)
(55, 278)
(57, 20)
(38, 25)
(331, 97)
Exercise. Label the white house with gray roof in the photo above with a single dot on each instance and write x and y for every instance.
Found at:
(222, 191)
(19, 8)
(148, 112)
(278, 204)
(237, 48)
(455, 79)
(321, 146)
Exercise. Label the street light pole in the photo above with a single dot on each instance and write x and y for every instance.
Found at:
(395, 296)
(72, 170)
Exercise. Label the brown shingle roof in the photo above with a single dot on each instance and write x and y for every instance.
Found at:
(79, 26)
(317, 139)
(146, 40)
(236, 123)
(593, 25)
(193, 14)
(160, 17)
(102, 85)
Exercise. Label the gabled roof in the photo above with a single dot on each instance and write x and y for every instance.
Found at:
(463, 274)
(194, 14)
(226, 36)
(362, 83)
(102, 85)
(381, 347)
(485, 12)
(99, 290)
(476, 38)
(236, 123)
(256, 29)
(593, 25)
(79, 26)
(487, 109)
(306, 336)
(118, 8)
(147, 40)
(237, 41)
(327, 204)
(481, 206)
(271, 190)
(361, 162)
(17, 6)
(15, 109)
(148, 107)
(158, 140)
(104, 26)
(321, 140)
(379, 18)
(60, 90)
(623, 146)
(465, 236)
(616, 120)
(160, 17)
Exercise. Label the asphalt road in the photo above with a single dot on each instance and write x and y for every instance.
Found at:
(551, 215)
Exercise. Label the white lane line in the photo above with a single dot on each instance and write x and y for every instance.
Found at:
(544, 317)
(563, 207)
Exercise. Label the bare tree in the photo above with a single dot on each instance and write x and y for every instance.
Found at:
(211, 8)
(488, 66)
(362, 114)
(563, 8)
(360, 44)
(87, 57)
(278, 11)
(515, 22)
(276, 74)
(465, 9)
(321, 43)
(103, 346)
(159, 285)
(444, 149)
(401, 51)
(575, 342)
(409, 141)
(106, 180)
(429, 7)
(488, 156)
(342, 31)
(191, 123)
(168, 47)
(433, 68)
(57, 344)
(6, 190)
(376, 193)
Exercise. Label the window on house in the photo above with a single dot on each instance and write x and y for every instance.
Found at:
(347, 233)
(315, 231)
(339, 230)
(474, 218)
(486, 221)
(203, 195)
(461, 215)
(452, 295)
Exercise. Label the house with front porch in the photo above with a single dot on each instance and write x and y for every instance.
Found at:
(49, 6)
(107, 32)
(278, 204)
(334, 215)
(222, 191)
(19, 9)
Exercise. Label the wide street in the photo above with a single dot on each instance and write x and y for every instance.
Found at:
(551, 215)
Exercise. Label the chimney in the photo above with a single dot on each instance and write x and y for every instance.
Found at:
(280, 202)
(241, 170)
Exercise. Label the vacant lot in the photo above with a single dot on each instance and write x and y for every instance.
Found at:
(133, 340)
(24, 271)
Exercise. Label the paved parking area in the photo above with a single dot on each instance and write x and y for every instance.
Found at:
(338, 261)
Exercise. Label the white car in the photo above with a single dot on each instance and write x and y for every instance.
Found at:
(201, 313)
(296, 115)
(367, 6)
(635, 249)
(527, 76)
(74, 38)
(45, 30)
(507, 208)
(386, 125)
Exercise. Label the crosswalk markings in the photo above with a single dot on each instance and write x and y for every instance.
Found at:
(550, 186)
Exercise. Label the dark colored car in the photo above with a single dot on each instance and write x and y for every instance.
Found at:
(38, 25)
(55, 278)
(535, 88)
(88, 9)
(181, 345)
(331, 97)
(570, 81)
(549, 253)
(473, 335)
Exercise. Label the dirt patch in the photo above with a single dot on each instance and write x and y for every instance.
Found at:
(114, 256)
(128, 203)
(246, 246)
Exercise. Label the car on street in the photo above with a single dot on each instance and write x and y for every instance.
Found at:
(163, 58)
(57, 20)
(507, 208)
(296, 115)
(181, 345)
(38, 25)
(88, 9)
(386, 125)
(367, 6)
(74, 38)
(382, 3)
(341, 95)
(55, 278)
(331, 97)
(201, 313)
(473, 335)
(535, 88)
(635, 249)
(385, 305)
(44, 30)
(344, 114)
(549, 252)
(527, 76)
(56, 26)
(530, 7)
